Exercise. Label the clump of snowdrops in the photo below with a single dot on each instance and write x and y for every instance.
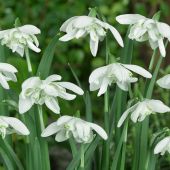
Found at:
(108, 139)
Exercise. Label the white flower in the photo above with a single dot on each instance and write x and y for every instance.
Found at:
(7, 73)
(142, 109)
(17, 39)
(9, 125)
(144, 29)
(36, 91)
(164, 82)
(117, 73)
(80, 26)
(163, 146)
(67, 126)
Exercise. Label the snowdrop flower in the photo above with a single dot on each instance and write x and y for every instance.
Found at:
(80, 26)
(164, 82)
(67, 126)
(117, 73)
(144, 29)
(163, 146)
(19, 38)
(7, 73)
(37, 91)
(9, 125)
(142, 109)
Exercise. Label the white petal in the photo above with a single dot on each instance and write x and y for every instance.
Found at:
(116, 35)
(51, 129)
(66, 96)
(94, 46)
(67, 37)
(60, 137)
(7, 67)
(31, 82)
(99, 130)
(139, 70)
(122, 85)
(158, 106)
(65, 24)
(25, 104)
(129, 18)
(16, 124)
(83, 21)
(164, 82)
(64, 119)
(162, 145)
(70, 86)
(52, 104)
(20, 51)
(33, 47)
(164, 29)
(3, 82)
(161, 47)
(103, 87)
(99, 72)
(125, 115)
(80, 33)
(29, 29)
(52, 78)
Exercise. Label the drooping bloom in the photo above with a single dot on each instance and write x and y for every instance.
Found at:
(163, 146)
(80, 26)
(164, 82)
(7, 73)
(20, 38)
(142, 109)
(67, 126)
(117, 73)
(9, 125)
(37, 91)
(146, 29)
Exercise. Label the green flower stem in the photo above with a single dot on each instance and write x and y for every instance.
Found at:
(28, 60)
(105, 153)
(82, 157)
(41, 117)
(152, 60)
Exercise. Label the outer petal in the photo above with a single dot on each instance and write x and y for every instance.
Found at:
(103, 86)
(52, 104)
(162, 145)
(64, 119)
(122, 85)
(29, 29)
(129, 18)
(33, 47)
(16, 124)
(158, 106)
(24, 104)
(83, 21)
(67, 37)
(164, 29)
(60, 137)
(65, 24)
(99, 130)
(8, 68)
(162, 47)
(70, 86)
(99, 72)
(164, 82)
(52, 78)
(125, 115)
(31, 82)
(139, 70)
(3, 82)
(94, 46)
(51, 129)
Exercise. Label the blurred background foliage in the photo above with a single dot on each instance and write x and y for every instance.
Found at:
(48, 15)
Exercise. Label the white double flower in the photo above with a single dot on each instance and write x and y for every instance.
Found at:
(163, 146)
(164, 82)
(20, 38)
(142, 109)
(7, 73)
(80, 26)
(117, 73)
(146, 29)
(9, 125)
(67, 126)
(37, 91)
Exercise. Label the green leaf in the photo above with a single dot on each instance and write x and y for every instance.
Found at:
(47, 58)
(157, 16)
